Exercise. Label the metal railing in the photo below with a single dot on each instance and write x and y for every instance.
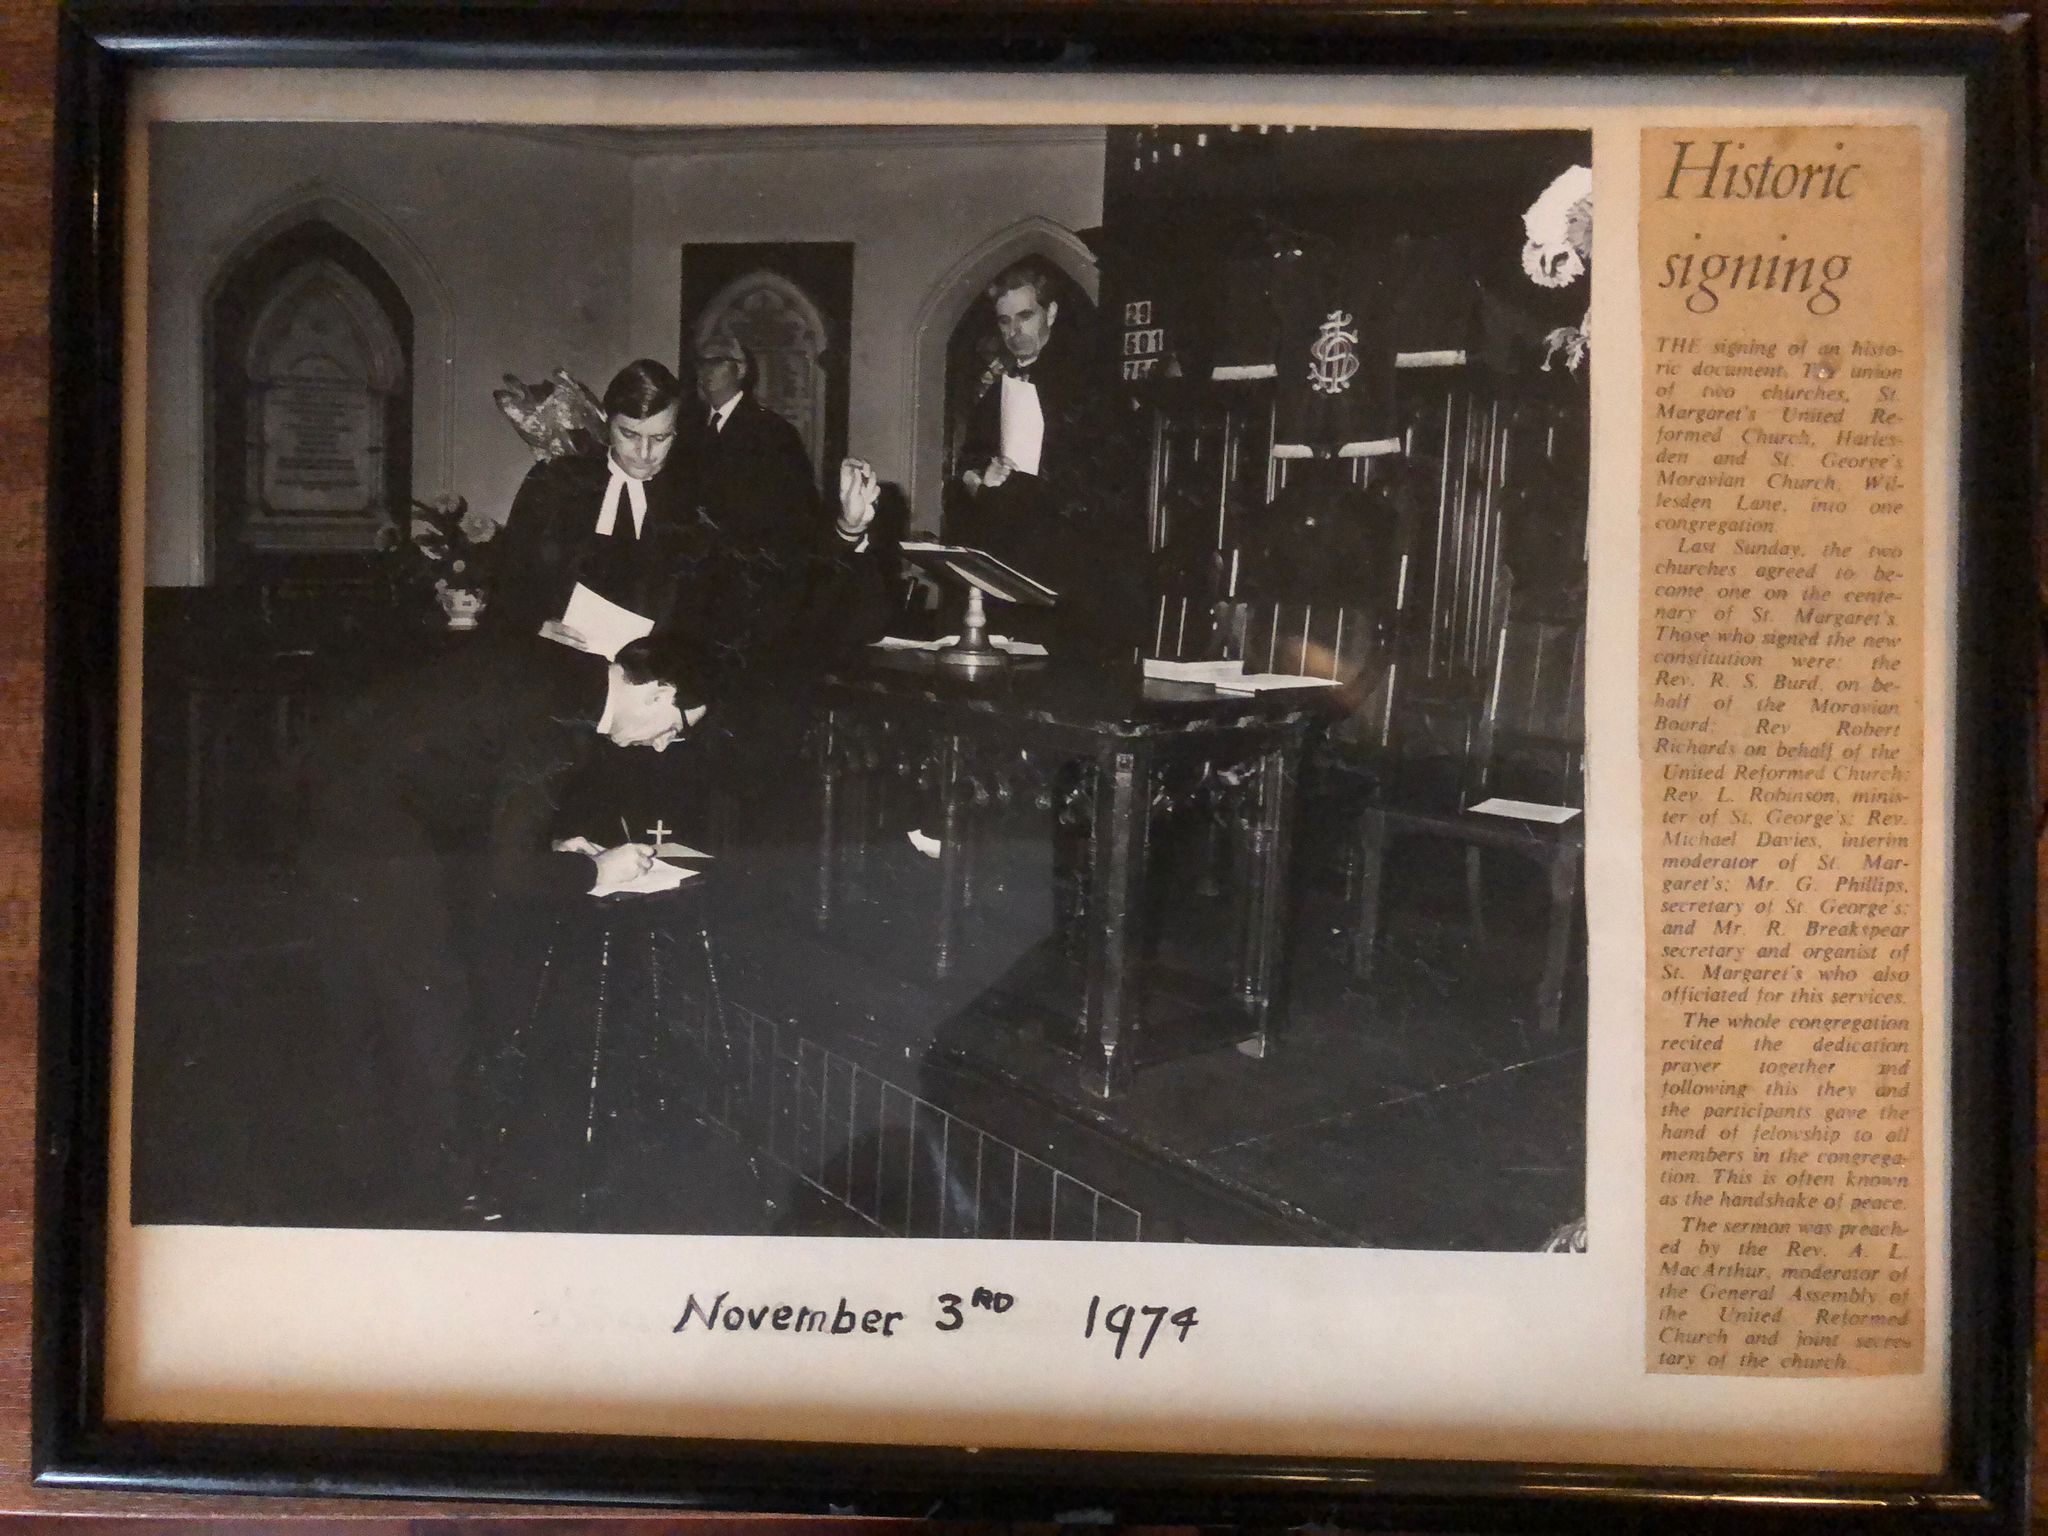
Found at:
(891, 1157)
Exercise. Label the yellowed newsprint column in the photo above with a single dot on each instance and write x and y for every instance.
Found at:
(1781, 700)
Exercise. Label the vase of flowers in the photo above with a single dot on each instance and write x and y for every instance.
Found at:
(447, 549)
(461, 605)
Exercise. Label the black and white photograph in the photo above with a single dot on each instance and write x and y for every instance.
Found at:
(674, 651)
(887, 680)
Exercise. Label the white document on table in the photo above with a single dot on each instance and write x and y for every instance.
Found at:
(660, 876)
(1260, 682)
(1000, 642)
(1527, 810)
(1214, 673)
(606, 626)
(1229, 676)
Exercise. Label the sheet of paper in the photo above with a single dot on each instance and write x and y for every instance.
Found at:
(602, 622)
(1212, 672)
(660, 876)
(678, 851)
(1527, 810)
(1260, 682)
(1229, 676)
(1000, 642)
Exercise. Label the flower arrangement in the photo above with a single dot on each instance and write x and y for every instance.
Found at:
(1557, 252)
(447, 549)
(557, 417)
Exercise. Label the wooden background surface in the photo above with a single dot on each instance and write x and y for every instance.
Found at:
(27, 53)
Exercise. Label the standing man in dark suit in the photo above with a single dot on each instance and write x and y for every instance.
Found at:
(775, 586)
(783, 583)
(613, 524)
(744, 460)
(1034, 485)
(430, 847)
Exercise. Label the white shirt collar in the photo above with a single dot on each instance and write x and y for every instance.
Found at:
(721, 414)
(611, 699)
(636, 498)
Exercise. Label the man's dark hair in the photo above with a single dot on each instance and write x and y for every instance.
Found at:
(665, 657)
(1029, 273)
(641, 389)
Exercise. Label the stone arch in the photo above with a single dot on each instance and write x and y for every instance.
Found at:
(415, 277)
(943, 307)
(381, 358)
(308, 402)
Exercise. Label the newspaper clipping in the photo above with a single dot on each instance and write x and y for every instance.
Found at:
(1781, 740)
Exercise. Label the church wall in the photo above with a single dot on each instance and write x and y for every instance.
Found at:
(519, 253)
(913, 207)
(513, 253)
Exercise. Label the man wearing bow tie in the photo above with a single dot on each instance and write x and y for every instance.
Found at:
(612, 524)
(1032, 486)
(1008, 422)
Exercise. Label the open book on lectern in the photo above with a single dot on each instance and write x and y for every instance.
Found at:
(980, 570)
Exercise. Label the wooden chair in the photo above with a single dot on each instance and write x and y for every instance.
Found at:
(1190, 610)
(1526, 742)
(1301, 639)
(1346, 643)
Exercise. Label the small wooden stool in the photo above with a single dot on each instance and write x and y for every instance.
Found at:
(613, 1044)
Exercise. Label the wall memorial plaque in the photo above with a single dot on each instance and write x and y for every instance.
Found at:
(321, 446)
(321, 368)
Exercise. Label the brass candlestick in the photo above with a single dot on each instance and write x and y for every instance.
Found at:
(972, 653)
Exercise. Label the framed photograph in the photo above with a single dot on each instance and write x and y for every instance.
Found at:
(1008, 760)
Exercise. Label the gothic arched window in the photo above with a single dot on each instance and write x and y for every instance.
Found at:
(312, 393)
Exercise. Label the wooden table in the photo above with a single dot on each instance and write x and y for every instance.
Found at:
(1112, 743)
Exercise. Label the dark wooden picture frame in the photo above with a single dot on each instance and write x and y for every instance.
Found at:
(105, 46)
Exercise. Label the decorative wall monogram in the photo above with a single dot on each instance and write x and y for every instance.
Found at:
(1335, 354)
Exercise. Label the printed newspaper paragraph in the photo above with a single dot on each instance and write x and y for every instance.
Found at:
(1780, 711)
